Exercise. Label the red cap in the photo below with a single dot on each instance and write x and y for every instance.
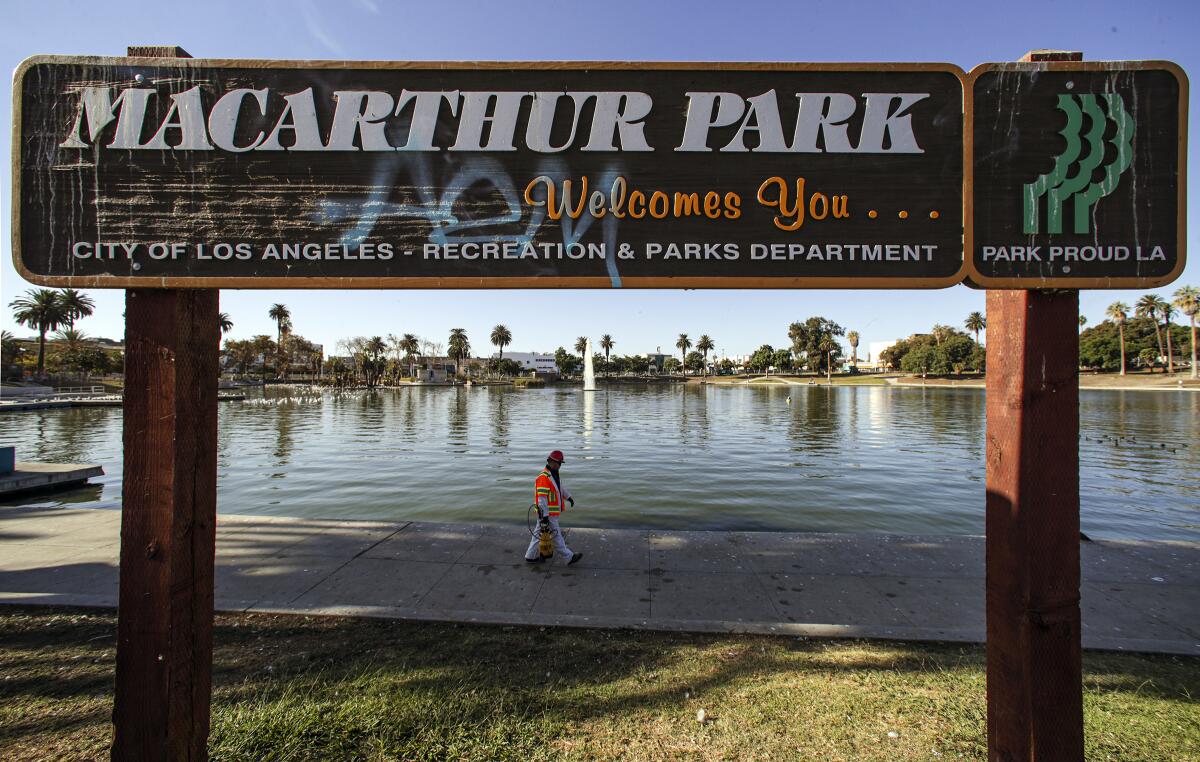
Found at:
(556, 456)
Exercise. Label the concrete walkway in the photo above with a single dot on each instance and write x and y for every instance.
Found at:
(1136, 596)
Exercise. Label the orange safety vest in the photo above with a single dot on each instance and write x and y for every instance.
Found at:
(545, 487)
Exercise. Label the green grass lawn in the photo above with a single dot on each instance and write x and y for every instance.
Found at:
(292, 688)
(863, 380)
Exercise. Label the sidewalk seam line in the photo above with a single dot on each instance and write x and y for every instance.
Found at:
(449, 566)
(768, 592)
(343, 566)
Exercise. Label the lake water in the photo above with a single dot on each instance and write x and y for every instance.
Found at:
(802, 458)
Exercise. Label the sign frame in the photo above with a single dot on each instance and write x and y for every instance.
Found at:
(434, 282)
(972, 275)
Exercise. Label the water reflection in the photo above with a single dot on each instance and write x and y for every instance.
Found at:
(285, 418)
(87, 496)
(404, 408)
(695, 405)
(606, 418)
(814, 420)
(589, 411)
(458, 419)
(833, 459)
(498, 399)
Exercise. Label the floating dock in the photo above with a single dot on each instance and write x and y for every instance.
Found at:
(42, 477)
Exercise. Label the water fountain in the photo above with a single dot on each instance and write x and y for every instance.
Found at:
(589, 373)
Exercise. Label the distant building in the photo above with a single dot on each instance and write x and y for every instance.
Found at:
(874, 349)
(437, 370)
(535, 361)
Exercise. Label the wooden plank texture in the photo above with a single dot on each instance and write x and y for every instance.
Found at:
(164, 630)
(168, 521)
(1034, 653)
(1035, 701)
(323, 205)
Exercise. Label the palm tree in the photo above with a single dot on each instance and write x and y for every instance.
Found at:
(501, 337)
(852, 337)
(683, 345)
(459, 346)
(581, 345)
(316, 357)
(283, 323)
(282, 317)
(375, 348)
(940, 333)
(1168, 314)
(71, 343)
(1118, 312)
(42, 310)
(411, 345)
(223, 321)
(263, 347)
(1147, 306)
(77, 304)
(975, 323)
(827, 346)
(606, 343)
(705, 345)
(71, 339)
(10, 350)
(1187, 299)
(393, 342)
(1082, 320)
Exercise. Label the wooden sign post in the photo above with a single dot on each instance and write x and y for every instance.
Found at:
(1034, 658)
(168, 521)
(1034, 695)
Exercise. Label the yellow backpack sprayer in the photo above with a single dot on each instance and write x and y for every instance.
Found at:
(545, 537)
(545, 546)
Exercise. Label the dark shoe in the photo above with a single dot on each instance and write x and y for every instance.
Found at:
(537, 560)
(574, 558)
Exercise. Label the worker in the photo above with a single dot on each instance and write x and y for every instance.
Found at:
(549, 495)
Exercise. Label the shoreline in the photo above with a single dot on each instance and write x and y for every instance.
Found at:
(1086, 382)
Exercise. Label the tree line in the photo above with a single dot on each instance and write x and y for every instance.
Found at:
(55, 312)
(1127, 338)
(606, 363)
(945, 350)
(363, 360)
(1144, 336)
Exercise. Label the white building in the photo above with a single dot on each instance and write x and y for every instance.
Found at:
(874, 349)
(535, 361)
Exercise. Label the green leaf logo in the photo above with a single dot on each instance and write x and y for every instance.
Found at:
(1071, 177)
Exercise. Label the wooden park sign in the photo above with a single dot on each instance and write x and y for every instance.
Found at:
(174, 178)
(273, 174)
(193, 173)
(1076, 174)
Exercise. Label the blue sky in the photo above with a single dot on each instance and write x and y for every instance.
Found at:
(962, 33)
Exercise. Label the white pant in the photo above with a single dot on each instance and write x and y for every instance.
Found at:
(560, 545)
